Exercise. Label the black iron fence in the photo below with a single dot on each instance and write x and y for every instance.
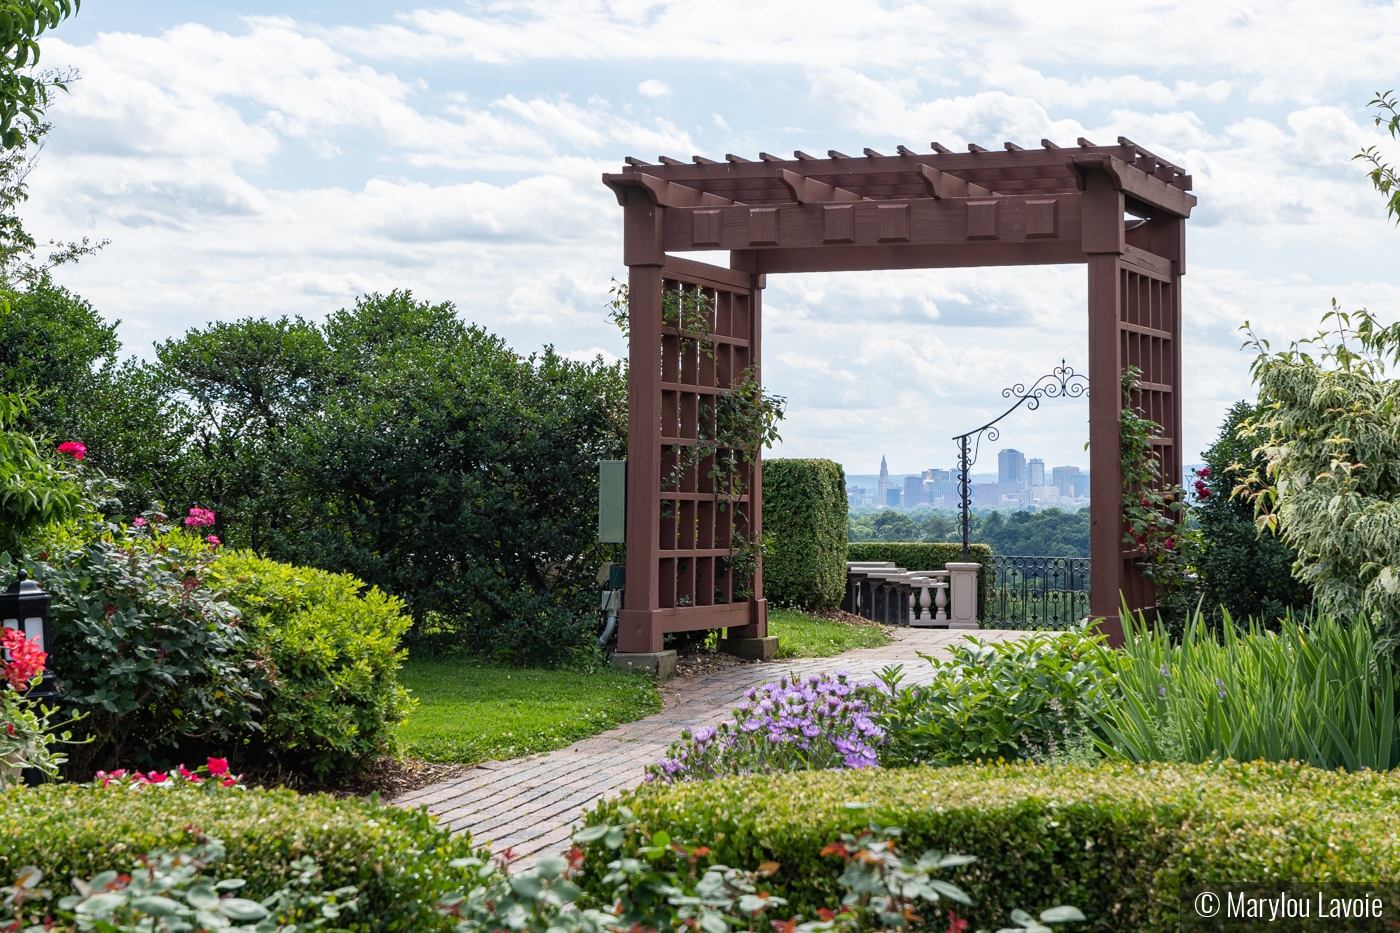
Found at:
(1036, 592)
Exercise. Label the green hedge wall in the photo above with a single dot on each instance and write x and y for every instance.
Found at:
(926, 555)
(397, 857)
(1117, 841)
(804, 510)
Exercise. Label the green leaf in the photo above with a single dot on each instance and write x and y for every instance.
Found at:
(156, 906)
(1062, 914)
(242, 910)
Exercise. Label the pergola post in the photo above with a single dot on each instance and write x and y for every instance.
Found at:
(637, 631)
(757, 627)
(1103, 245)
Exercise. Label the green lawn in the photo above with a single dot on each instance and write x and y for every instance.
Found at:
(469, 713)
(802, 636)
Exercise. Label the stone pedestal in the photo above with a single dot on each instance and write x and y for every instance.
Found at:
(661, 665)
(751, 649)
(962, 587)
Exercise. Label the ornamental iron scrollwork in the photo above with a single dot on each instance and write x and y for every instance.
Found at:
(1061, 382)
(1037, 593)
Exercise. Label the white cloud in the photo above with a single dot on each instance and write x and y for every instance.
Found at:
(285, 168)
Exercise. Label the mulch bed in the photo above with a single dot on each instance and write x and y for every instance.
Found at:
(386, 777)
(700, 663)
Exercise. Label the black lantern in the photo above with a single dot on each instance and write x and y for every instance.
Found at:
(26, 607)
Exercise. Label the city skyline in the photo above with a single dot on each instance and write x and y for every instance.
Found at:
(1019, 481)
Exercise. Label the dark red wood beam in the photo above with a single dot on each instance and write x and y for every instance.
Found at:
(918, 221)
(946, 185)
(663, 193)
(950, 256)
(807, 190)
(963, 164)
(1133, 182)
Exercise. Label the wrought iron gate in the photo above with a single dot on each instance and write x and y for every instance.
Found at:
(1036, 592)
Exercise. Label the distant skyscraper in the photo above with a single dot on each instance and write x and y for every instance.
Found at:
(1035, 472)
(1011, 466)
(883, 486)
(1062, 478)
(913, 491)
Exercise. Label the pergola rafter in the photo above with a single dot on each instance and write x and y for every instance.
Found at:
(1014, 206)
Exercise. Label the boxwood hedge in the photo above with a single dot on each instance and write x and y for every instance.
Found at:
(398, 858)
(804, 510)
(1117, 841)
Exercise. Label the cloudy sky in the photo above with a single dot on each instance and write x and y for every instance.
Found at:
(257, 158)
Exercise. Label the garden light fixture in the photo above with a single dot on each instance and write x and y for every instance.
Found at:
(25, 607)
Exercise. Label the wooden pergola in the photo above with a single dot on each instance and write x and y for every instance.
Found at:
(1119, 209)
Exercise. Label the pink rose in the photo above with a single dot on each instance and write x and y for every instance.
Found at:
(76, 449)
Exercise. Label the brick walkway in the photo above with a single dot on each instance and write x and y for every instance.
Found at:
(531, 804)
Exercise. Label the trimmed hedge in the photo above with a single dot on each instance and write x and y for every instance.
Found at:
(334, 648)
(396, 857)
(804, 509)
(926, 555)
(1118, 841)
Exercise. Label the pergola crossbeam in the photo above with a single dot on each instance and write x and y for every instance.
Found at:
(807, 190)
(665, 193)
(946, 185)
(1133, 182)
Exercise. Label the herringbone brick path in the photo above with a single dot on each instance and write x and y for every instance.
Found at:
(531, 804)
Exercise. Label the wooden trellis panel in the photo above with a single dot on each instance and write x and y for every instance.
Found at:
(1148, 338)
(688, 582)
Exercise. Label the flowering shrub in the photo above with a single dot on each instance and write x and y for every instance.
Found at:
(27, 736)
(214, 774)
(1202, 483)
(198, 518)
(818, 723)
(26, 659)
(151, 656)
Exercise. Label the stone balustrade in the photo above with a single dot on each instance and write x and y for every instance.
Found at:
(892, 595)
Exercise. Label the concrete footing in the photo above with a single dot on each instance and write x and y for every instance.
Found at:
(661, 665)
(751, 649)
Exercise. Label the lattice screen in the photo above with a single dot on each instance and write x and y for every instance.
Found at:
(1146, 332)
(700, 529)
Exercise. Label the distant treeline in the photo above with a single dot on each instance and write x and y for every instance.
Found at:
(1048, 533)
